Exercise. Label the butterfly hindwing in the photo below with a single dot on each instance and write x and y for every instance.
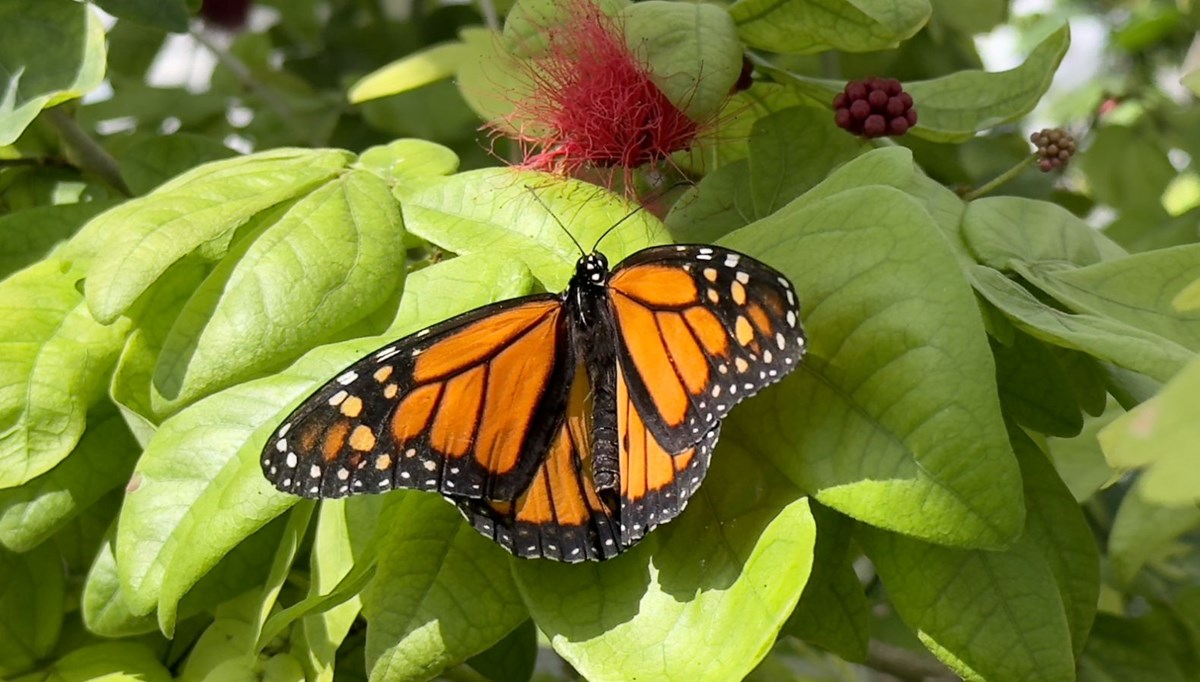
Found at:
(457, 408)
(700, 328)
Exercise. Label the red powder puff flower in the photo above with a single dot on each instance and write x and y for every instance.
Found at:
(593, 102)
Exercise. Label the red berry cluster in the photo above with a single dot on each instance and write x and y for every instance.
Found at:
(874, 107)
(1055, 147)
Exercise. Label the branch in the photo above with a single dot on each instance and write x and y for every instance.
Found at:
(92, 156)
(904, 664)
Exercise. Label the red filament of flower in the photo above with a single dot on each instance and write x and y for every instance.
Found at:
(594, 103)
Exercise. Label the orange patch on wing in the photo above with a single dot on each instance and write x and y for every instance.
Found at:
(761, 320)
(683, 459)
(690, 362)
(743, 330)
(413, 414)
(362, 438)
(656, 285)
(516, 383)
(454, 425)
(471, 344)
(567, 498)
(641, 336)
(708, 329)
(352, 406)
(335, 438)
(381, 375)
(534, 505)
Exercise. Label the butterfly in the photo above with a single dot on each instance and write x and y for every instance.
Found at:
(563, 426)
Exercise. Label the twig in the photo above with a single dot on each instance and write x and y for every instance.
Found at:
(1001, 179)
(242, 72)
(92, 156)
(904, 664)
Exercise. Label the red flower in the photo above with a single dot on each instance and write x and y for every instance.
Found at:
(593, 101)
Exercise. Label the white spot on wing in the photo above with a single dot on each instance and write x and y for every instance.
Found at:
(347, 378)
(291, 459)
(731, 261)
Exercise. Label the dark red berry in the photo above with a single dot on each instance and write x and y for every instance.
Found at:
(1054, 148)
(874, 107)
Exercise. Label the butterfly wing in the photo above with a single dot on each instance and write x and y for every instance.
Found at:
(464, 408)
(700, 328)
(561, 516)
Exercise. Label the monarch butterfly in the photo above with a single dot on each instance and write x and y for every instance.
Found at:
(563, 426)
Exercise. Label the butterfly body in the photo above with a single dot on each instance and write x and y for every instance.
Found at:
(563, 426)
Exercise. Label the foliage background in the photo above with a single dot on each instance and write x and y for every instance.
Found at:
(987, 468)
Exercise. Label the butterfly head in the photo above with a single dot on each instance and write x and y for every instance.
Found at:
(592, 270)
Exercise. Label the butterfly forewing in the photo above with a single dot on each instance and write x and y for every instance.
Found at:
(701, 328)
(460, 408)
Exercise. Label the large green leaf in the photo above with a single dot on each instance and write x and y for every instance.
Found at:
(201, 210)
(782, 164)
(893, 418)
(1079, 460)
(442, 593)
(1034, 388)
(152, 160)
(199, 485)
(988, 615)
(1100, 337)
(805, 26)
(53, 362)
(1056, 526)
(103, 605)
(723, 576)
(109, 662)
(497, 211)
(344, 242)
(169, 15)
(691, 50)
(954, 108)
(432, 64)
(51, 51)
(1002, 232)
(1161, 434)
(26, 236)
(1137, 290)
(833, 612)
(99, 463)
(1129, 649)
(31, 606)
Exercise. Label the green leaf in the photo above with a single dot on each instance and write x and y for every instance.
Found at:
(1161, 434)
(1034, 389)
(99, 463)
(692, 51)
(54, 359)
(294, 531)
(153, 160)
(970, 16)
(1079, 460)
(198, 210)
(26, 236)
(782, 165)
(169, 15)
(494, 211)
(806, 26)
(31, 606)
(1137, 290)
(1146, 531)
(1056, 526)
(988, 615)
(728, 572)
(1191, 80)
(1003, 232)
(434, 63)
(35, 77)
(487, 80)
(513, 658)
(404, 162)
(110, 662)
(893, 417)
(833, 612)
(104, 607)
(1126, 172)
(1125, 649)
(442, 593)
(223, 651)
(1099, 337)
(954, 108)
(344, 241)
(208, 454)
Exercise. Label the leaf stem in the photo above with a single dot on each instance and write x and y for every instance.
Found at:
(1001, 179)
(92, 156)
(490, 17)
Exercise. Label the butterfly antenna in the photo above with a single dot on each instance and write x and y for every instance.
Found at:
(638, 209)
(555, 217)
